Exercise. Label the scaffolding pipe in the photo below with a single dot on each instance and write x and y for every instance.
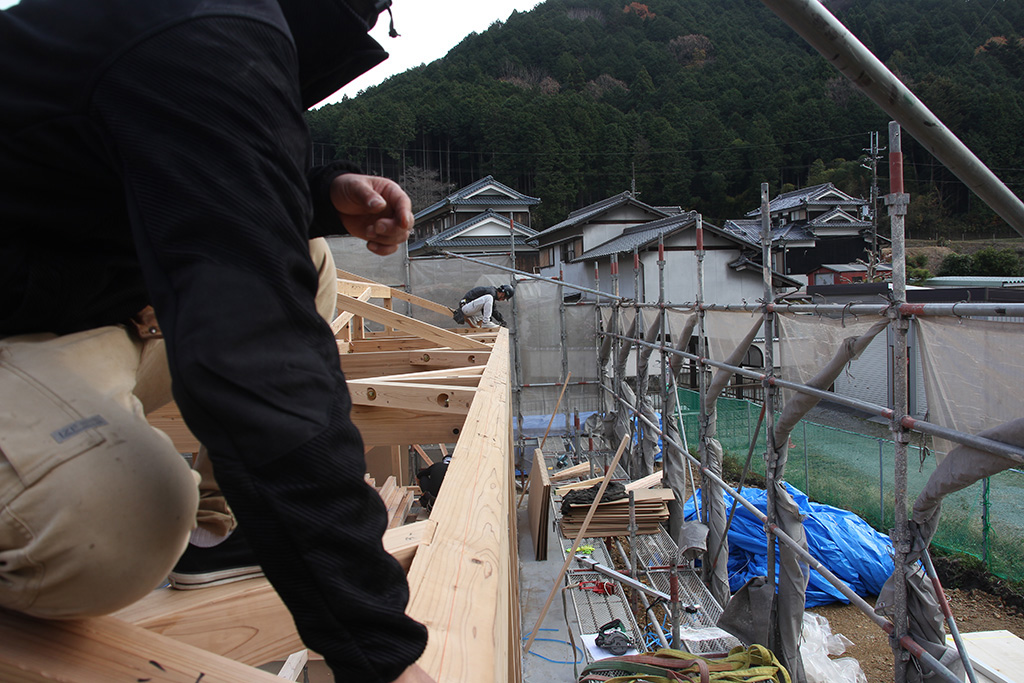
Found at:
(999, 448)
(897, 201)
(534, 276)
(844, 51)
(959, 309)
(907, 642)
(648, 608)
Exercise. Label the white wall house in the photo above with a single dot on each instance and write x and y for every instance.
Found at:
(561, 245)
(731, 273)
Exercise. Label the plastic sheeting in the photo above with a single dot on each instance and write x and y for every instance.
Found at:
(839, 539)
(808, 342)
(351, 254)
(974, 372)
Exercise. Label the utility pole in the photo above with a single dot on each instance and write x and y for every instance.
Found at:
(873, 155)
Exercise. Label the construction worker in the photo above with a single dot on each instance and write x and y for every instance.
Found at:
(477, 305)
(157, 183)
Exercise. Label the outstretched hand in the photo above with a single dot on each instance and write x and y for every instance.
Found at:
(374, 209)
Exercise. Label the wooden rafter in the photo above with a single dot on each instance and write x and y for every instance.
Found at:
(418, 328)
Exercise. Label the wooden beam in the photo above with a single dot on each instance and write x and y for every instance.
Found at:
(423, 454)
(461, 584)
(580, 470)
(404, 542)
(105, 649)
(355, 288)
(405, 363)
(387, 426)
(346, 317)
(433, 398)
(294, 665)
(402, 294)
(409, 325)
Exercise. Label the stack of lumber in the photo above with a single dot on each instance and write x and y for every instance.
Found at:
(397, 499)
(612, 518)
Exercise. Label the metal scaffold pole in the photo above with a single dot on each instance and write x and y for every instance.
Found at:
(702, 390)
(845, 52)
(897, 201)
(563, 341)
(635, 451)
(769, 389)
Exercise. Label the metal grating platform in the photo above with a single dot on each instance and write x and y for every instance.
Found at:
(698, 632)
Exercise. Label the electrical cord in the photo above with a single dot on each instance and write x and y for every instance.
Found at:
(555, 640)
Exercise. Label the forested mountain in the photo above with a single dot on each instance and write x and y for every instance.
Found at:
(696, 102)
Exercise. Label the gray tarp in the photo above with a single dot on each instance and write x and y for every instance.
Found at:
(788, 614)
(962, 466)
(674, 463)
(716, 568)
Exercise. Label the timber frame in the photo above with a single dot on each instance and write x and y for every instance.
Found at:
(411, 384)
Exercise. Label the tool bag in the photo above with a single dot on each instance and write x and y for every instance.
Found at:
(756, 664)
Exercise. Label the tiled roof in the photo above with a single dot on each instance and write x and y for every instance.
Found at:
(808, 195)
(750, 231)
(778, 279)
(587, 212)
(464, 196)
(825, 220)
(639, 236)
(449, 236)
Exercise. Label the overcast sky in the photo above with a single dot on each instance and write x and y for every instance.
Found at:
(428, 28)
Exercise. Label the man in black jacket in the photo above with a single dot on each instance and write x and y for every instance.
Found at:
(155, 154)
(477, 305)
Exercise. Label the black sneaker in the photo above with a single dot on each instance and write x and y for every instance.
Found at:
(232, 560)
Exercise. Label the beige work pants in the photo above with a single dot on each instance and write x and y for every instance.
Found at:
(96, 505)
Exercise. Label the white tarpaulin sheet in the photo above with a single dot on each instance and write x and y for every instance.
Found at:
(974, 373)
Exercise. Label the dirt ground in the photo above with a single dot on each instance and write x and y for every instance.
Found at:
(974, 610)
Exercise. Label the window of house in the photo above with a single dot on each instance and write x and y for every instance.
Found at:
(547, 257)
(572, 249)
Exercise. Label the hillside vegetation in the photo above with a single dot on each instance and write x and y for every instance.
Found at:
(695, 104)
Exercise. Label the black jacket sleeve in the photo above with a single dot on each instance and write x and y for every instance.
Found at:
(205, 122)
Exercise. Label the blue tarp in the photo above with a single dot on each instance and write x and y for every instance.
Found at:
(839, 539)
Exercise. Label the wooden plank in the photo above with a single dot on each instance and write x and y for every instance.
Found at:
(461, 583)
(995, 655)
(444, 375)
(646, 482)
(409, 325)
(105, 649)
(387, 426)
(404, 542)
(354, 288)
(444, 358)
(581, 470)
(346, 317)
(416, 344)
(539, 506)
(427, 462)
(294, 665)
(361, 363)
(401, 294)
(402, 508)
(387, 489)
(168, 419)
(434, 398)
(245, 620)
